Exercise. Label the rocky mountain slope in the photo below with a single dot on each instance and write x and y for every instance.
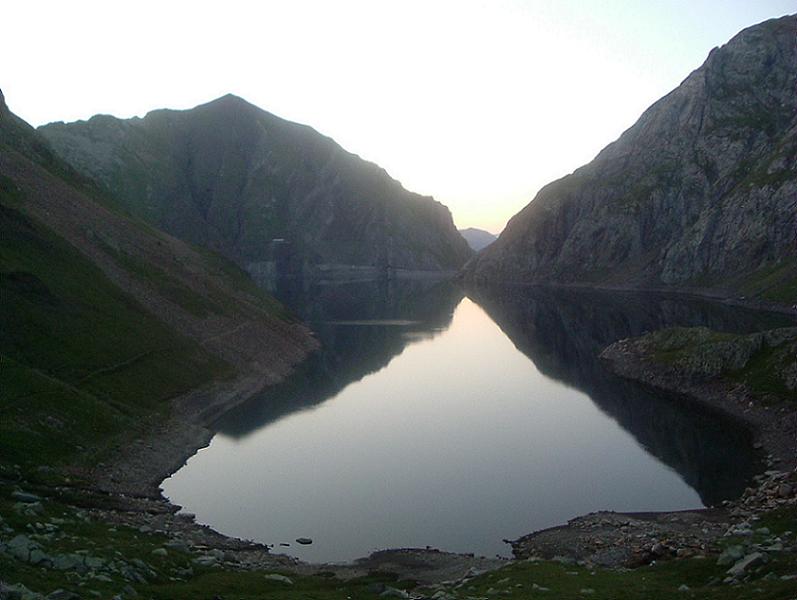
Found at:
(111, 327)
(477, 239)
(700, 193)
(265, 192)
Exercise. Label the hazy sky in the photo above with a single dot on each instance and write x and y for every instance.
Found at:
(476, 103)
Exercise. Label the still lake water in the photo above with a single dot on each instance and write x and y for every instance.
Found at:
(435, 418)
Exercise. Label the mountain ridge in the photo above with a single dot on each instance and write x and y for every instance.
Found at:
(698, 194)
(265, 192)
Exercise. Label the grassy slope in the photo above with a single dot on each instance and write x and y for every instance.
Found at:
(81, 360)
(83, 365)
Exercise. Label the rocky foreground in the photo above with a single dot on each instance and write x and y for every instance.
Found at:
(87, 538)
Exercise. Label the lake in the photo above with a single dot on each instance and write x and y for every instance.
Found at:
(451, 418)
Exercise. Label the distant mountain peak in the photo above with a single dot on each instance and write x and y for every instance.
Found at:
(477, 238)
(230, 99)
(3, 106)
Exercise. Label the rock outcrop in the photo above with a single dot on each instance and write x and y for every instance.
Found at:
(752, 377)
(700, 193)
(267, 193)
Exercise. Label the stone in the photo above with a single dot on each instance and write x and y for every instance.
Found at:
(39, 558)
(178, 546)
(18, 592)
(305, 541)
(25, 497)
(748, 562)
(30, 509)
(63, 595)
(774, 547)
(93, 562)
(391, 592)
(160, 552)
(730, 555)
(205, 561)
(683, 588)
(68, 562)
(20, 547)
(279, 578)
(785, 490)
(539, 588)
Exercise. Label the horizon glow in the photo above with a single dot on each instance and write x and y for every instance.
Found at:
(478, 104)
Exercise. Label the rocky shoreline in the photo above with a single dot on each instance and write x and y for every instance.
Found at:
(603, 538)
(126, 494)
(773, 420)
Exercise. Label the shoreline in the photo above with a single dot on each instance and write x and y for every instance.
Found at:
(774, 427)
(708, 294)
(128, 492)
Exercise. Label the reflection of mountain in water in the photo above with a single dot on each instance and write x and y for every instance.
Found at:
(362, 326)
(563, 332)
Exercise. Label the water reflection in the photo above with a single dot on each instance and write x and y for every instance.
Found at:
(564, 331)
(362, 326)
(452, 422)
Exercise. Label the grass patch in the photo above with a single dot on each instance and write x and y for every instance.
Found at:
(763, 373)
(776, 283)
(174, 576)
(659, 581)
(81, 360)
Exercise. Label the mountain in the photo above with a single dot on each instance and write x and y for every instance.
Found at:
(111, 327)
(265, 192)
(700, 193)
(477, 238)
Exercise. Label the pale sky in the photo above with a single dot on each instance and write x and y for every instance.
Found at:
(476, 103)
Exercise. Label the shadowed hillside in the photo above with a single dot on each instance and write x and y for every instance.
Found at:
(270, 194)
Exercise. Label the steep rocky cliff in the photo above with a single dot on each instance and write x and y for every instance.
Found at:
(259, 189)
(700, 193)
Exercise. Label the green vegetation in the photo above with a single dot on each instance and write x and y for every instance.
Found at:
(174, 573)
(166, 285)
(664, 580)
(763, 362)
(777, 283)
(679, 343)
(81, 361)
(764, 372)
